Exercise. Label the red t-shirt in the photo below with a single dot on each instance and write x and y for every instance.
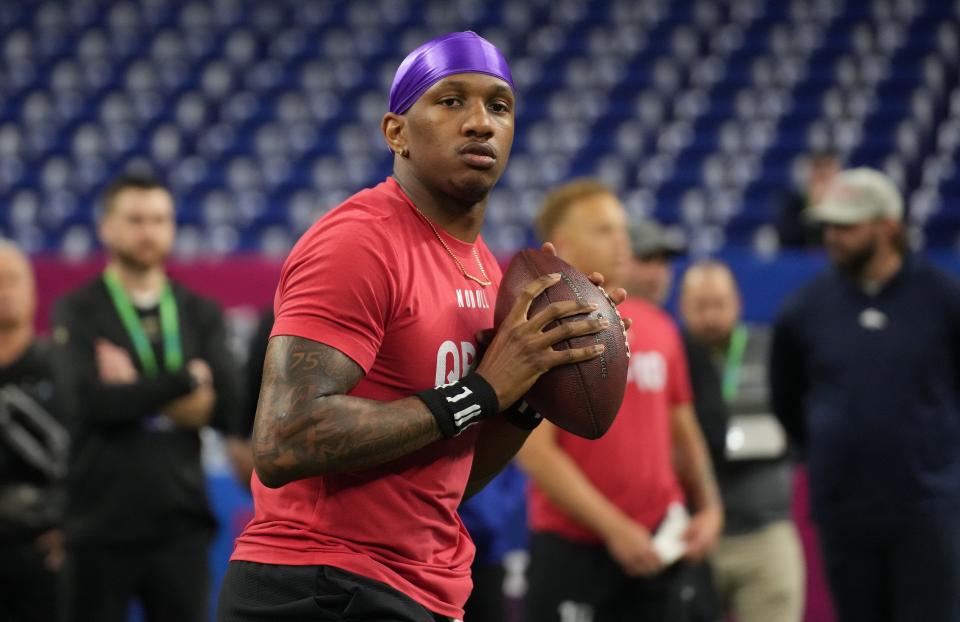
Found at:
(631, 464)
(371, 280)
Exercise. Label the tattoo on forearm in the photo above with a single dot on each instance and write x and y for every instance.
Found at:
(306, 360)
(306, 426)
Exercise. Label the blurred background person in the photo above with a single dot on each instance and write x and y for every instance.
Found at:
(864, 375)
(654, 253)
(795, 228)
(595, 506)
(33, 454)
(650, 272)
(142, 363)
(650, 277)
(758, 568)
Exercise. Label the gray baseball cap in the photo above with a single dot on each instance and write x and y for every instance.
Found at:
(856, 196)
(648, 238)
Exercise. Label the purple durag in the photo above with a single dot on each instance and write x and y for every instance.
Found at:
(457, 52)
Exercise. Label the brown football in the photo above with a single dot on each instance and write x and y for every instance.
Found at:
(582, 398)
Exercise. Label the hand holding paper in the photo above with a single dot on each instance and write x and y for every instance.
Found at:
(670, 541)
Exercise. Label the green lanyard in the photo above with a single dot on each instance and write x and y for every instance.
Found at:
(169, 325)
(731, 372)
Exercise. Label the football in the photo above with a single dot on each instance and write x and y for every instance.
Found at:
(581, 398)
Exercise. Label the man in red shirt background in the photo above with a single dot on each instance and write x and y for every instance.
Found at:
(595, 505)
(360, 464)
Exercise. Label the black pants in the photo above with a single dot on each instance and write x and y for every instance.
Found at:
(898, 573)
(575, 582)
(268, 593)
(29, 591)
(171, 580)
(699, 595)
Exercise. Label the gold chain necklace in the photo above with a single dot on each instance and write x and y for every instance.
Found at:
(485, 280)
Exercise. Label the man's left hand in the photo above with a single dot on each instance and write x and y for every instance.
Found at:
(703, 532)
(52, 545)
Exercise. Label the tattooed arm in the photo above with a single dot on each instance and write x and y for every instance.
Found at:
(305, 425)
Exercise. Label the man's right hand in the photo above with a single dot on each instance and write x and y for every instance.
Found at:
(51, 544)
(631, 545)
(201, 372)
(114, 365)
(521, 351)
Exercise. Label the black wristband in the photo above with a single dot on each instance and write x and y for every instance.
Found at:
(459, 405)
(522, 416)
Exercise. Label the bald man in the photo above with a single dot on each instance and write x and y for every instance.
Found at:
(758, 565)
(33, 452)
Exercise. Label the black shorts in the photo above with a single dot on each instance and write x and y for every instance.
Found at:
(254, 592)
(573, 581)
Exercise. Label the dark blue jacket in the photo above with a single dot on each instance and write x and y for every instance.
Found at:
(869, 388)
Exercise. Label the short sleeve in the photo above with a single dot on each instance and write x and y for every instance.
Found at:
(678, 374)
(337, 288)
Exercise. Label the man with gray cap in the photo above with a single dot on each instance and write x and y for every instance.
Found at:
(865, 376)
(651, 269)
(650, 276)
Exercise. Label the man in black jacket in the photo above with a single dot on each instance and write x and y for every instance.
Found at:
(33, 454)
(865, 377)
(144, 366)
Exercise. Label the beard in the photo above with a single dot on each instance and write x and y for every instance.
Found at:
(139, 261)
(854, 262)
(13, 312)
(713, 336)
(10, 322)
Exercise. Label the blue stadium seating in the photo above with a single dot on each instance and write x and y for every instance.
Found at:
(263, 115)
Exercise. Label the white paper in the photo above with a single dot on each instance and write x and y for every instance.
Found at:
(668, 540)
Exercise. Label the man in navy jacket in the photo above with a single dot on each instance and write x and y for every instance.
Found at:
(865, 376)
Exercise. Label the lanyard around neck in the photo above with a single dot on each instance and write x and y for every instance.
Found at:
(169, 326)
(731, 371)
